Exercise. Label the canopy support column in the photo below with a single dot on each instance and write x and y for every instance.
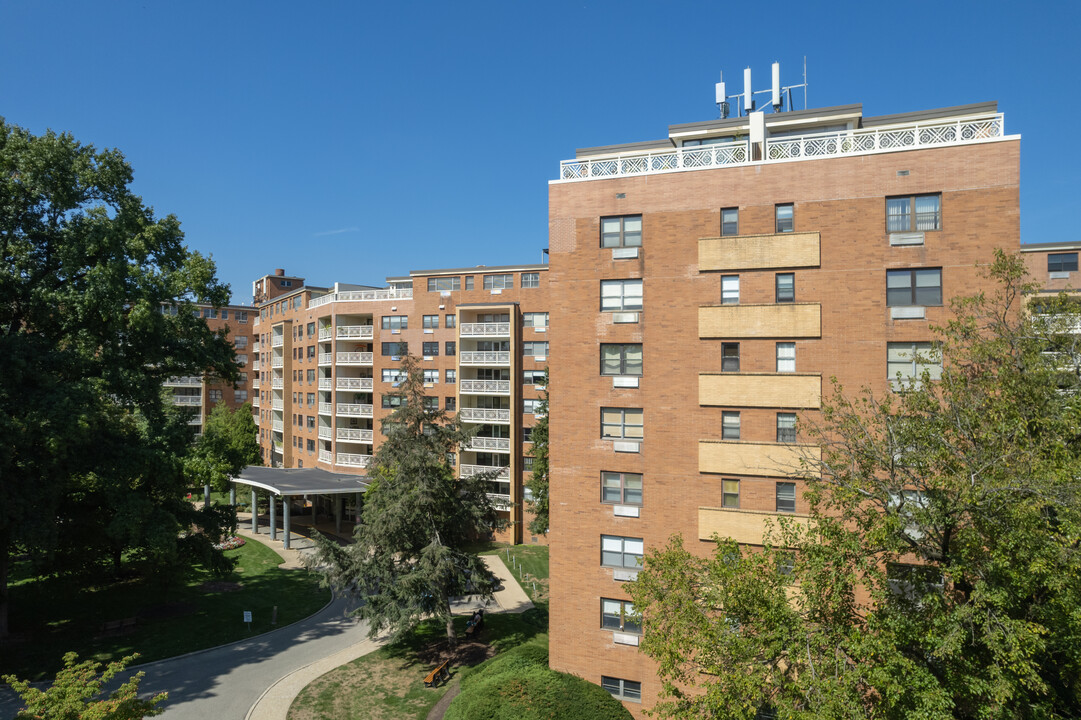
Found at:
(254, 512)
(285, 520)
(273, 517)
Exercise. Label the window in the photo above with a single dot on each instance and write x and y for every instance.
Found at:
(786, 497)
(730, 289)
(920, 286)
(535, 320)
(395, 322)
(241, 359)
(785, 217)
(906, 362)
(395, 349)
(444, 284)
(214, 395)
(621, 295)
(243, 377)
(430, 322)
(240, 342)
(430, 349)
(730, 357)
(311, 422)
(527, 463)
(730, 493)
(621, 359)
(530, 280)
(310, 398)
(1062, 262)
(241, 316)
(430, 403)
(536, 348)
(786, 287)
(311, 352)
(451, 321)
(527, 434)
(621, 552)
(451, 377)
(619, 615)
(240, 395)
(211, 313)
(468, 282)
(786, 357)
(451, 403)
(914, 212)
(392, 401)
(729, 221)
(498, 282)
(311, 376)
(730, 425)
(393, 375)
(450, 347)
(622, 689)
(225, 314)
(621, 423)
(530, 407)
(311, 329)
(786, 427)
(625, 231)
(311, 446)
(431, 376)
(621, 488)
(532, 377)
(286, 283)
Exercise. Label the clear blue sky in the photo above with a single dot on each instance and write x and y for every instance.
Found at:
(348, 141)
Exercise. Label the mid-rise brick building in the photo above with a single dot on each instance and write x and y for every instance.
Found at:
(703, 290)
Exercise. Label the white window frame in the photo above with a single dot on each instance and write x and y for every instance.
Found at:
(786, 357)
(621, 295)
(630, 550)
(627, 430)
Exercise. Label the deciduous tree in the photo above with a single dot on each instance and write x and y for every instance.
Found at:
(939, 574)
(538, 479)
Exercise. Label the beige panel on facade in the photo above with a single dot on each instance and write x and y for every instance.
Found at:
(746, 458)
(744, 526)
(789, 320)
(757, 252)
(771, 390)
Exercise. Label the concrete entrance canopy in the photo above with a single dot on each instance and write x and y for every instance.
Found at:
(291, 482)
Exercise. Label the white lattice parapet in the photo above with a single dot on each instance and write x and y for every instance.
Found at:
(887, 138)
(362, 295)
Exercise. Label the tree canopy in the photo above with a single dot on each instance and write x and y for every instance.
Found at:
(91, 451)
(227, 446)
(410, 552)
(938, 575)
(538, 479)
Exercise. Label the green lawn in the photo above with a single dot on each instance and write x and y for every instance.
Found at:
(56, 616)
(529, 565)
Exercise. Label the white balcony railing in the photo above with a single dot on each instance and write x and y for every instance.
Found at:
(355, 435)
(255, 365)
(277, 362)
(496, 329)
(355, 410)
(481, 357)
(256, 346)
(497, 387)
(255, 401)
(887, 138)
(187, 381)
(278, 404)
(499, 501)
(489, 444)
(326, 384)
(353, 459)
(326, 334)
(277, 341)
(255, 383)
(361, 296)
(471, 470)
(348, 383)
(279, 447)
(277, 383)
(326, 358)
(486, 415)
(352, 332)
(279, 425)
(326, 456)
(354, 358)
(187, 399)
(325, 433)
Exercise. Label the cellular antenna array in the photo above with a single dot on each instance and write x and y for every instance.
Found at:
(745, 102)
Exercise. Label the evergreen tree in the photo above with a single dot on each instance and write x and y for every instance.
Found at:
(538, 479)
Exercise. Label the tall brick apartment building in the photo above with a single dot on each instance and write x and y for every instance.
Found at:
(328, 362)
(703, 290)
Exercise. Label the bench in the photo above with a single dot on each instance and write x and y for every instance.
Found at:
(438, 675)
(473, 627)
(111, 628)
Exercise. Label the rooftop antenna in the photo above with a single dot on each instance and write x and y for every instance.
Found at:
(748, 95)
(780, 95)
(722, 99)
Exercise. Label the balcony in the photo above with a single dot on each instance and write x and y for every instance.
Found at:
(326, 384)
(326, 456)
(486, 415)
(278, 404)
(255, 401)
(279, 425)
(480, 357)
(188, 400)
(255, 365)
(355, 332)
(484, 387)
(499, 501)
(255, 383)
(489, 444)
(355, 410)
(887, 138)
(277, 383)
(326, 333)
(326, 358)
(277, 362)
(277, 341)
(256, 346)
(279, 447)
(325, 433)
(348, 383)
(326, 408)
(362, 296)
(197, 420)
(497, 329)
(355, 435)
(353, 460)
(364, 359)
(188, 381)
(471, 470)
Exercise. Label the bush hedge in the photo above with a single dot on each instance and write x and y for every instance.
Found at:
(518, 685)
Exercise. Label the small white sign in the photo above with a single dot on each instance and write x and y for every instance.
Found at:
(247, 616)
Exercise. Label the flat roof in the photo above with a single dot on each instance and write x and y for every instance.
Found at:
(479, 269)
(1060, 245)
(301, 481)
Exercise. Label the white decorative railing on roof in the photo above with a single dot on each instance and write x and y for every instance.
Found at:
(361, 295)
(888, 138)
